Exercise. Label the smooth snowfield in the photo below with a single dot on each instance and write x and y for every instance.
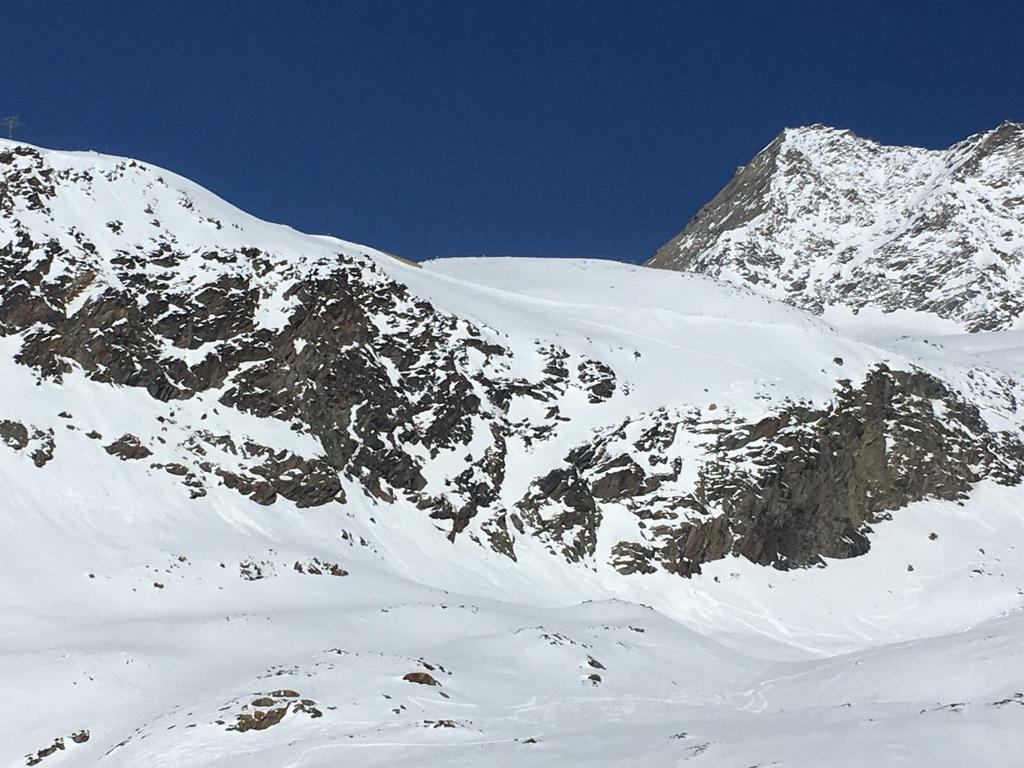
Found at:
(153, 620)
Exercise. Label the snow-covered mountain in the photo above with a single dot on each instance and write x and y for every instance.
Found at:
(822, 218)
(280, 499)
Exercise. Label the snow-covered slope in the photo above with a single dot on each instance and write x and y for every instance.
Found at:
(823, 218)
(254, 479)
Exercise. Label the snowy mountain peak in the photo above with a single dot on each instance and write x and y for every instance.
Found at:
(822, 218)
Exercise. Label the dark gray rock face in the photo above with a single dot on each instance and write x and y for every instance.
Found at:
(128, 448)
(38, 443)
(822, 217)
(376, 374)
(746, 197)
(825, 476)
(328, 370)
(798, 486)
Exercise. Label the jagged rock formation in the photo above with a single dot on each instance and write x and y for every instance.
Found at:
(801, 484)
(823, 217)
(327, 343)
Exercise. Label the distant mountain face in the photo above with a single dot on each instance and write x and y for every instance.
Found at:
(822, 217)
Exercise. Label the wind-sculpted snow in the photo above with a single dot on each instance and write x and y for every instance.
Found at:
(276, 499)
(823, 218)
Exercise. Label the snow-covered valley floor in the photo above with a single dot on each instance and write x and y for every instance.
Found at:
(155, 644)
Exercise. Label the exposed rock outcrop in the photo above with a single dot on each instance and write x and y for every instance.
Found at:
(798, 486)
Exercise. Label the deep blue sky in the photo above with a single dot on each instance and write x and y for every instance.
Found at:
(432, 128)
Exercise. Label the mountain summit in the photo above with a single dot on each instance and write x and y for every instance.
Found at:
(823, 218)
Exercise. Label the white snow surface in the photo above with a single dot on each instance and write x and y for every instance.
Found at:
(123, 612)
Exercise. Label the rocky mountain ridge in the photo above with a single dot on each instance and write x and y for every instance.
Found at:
(824, 218)
(325, 341)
